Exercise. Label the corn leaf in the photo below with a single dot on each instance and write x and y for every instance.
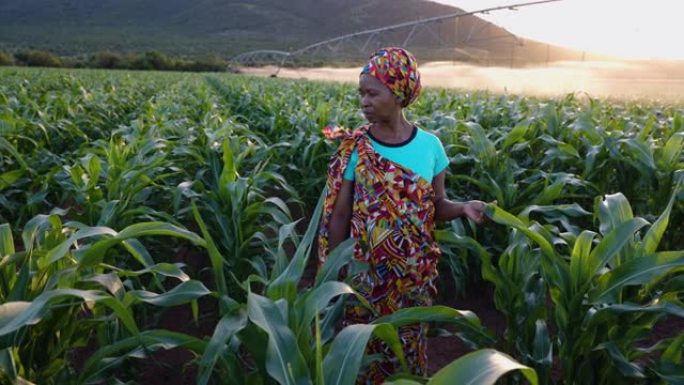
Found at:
(483, 367)
(640, 271)
(284, 361)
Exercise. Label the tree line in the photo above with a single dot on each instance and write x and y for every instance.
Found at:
(149, 60)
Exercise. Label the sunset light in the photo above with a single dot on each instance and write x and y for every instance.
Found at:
(628, 28)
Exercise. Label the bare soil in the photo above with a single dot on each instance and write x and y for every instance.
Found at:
(175, 367)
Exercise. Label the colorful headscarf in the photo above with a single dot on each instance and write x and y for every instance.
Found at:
(397, 69)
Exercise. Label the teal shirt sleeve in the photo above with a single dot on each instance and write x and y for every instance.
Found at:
(441, 159)
(349, 171)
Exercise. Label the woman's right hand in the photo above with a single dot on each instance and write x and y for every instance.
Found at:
(475, 211)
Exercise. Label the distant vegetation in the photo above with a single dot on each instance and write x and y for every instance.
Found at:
(150, 60)
(226, 28)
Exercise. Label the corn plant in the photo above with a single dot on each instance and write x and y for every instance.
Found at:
(603, 291)
(240, 213)
(63, 275)
(289, 330)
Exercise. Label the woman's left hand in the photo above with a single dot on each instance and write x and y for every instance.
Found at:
(475, 211)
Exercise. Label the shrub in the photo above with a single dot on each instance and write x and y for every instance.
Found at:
(107, 59)
(209, 63)
(38, 58)
(153, 60)
(6, 59)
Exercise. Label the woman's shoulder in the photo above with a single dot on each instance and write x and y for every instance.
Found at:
(425, 136)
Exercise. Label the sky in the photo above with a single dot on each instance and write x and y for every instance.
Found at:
(634, 29)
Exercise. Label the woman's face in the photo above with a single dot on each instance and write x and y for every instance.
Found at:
(378, 103)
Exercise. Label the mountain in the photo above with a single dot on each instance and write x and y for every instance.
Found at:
(229, 27)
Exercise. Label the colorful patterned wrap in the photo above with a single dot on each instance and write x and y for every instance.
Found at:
(398, 70)
(392, 222)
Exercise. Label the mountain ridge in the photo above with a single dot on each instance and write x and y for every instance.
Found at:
(226, 28)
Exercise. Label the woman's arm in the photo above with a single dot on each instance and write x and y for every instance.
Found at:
(340, 221)
(446, 210)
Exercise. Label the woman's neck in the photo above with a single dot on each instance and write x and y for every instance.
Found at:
(396, 130)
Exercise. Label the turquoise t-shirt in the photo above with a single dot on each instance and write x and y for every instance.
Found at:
(422, 153)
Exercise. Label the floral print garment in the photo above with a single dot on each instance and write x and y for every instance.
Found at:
(392, 222)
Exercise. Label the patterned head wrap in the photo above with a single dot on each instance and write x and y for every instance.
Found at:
(397, 69)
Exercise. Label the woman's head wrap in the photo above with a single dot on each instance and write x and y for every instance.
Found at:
(397, 69)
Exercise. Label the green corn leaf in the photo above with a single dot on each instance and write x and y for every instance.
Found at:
(330, 321)
(138, 251)
(335, 261)
(482, 147)
(640, 271)
(7, 365)
(284, 285)
(489, 271)
(606, 313)
(159, 228)
(613, 211)
(673, 149)
(229, 172)
(20, 286)
(111, 282)
(482, 367)
(516, 135)
(20, 315)
(342, 363)
(673, 353)
(9, 177)
(550, 193)
(641, 152)
(467, 324)
(181, 294)
(255, 341)
(214, 255)
(284, 361)
(7, 146)
(402, 381)
(227, 327)
(554, 267)
(285, 232)
(656, 231)
(390, 336)
(502, 217)
(94, 166)
(318, 349)
(675, 284)
(543, 349)
(438, 313)
(579, 259)
(95, 253)
(36, 227)
(110, 356)
(166, 269)
(611, 244)
(57, 253)
(6, 240)
(627, 368)
(571, 210)
(672, 374)
(11, 310)
(316, 301)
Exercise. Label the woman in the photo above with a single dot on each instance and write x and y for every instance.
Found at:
(386, 189)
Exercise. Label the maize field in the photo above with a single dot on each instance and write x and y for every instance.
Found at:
(143, 212)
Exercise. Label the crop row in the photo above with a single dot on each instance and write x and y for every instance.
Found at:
(108, 178)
